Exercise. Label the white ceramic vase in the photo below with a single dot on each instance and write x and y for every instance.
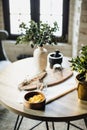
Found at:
(40, 58)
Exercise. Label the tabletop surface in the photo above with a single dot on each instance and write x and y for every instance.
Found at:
(65, 108)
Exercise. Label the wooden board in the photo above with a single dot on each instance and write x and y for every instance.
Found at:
(52, 78)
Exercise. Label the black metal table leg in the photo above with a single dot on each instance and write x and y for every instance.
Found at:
(76, 126)
(18, 122)
(68, 125)
(53, 126)
(85, 120)
(35, 126)
(47, 125)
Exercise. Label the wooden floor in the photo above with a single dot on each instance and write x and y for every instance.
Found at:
(7, 121)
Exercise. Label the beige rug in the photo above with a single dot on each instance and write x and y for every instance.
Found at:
(7, 121)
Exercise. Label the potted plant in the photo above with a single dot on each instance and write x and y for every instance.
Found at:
(79, 64)
(37, 36)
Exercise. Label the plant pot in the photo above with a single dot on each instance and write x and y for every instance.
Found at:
(81, 88)
(40, 58)
(55, 59)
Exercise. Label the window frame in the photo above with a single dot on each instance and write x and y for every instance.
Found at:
(35, 15)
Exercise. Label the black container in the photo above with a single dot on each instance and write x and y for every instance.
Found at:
(55, 58)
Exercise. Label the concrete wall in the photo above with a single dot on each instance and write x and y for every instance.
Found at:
(13, 50)
(83, 25)
(76, 38)
(76, 26)
(1, 16)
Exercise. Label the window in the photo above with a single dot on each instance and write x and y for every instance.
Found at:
(51, 11)
(18, 14)
(37, 10)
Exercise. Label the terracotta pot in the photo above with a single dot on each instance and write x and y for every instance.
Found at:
(40, 58)
(82, 88)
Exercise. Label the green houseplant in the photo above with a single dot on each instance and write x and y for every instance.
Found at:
(79, 64)
(37, 35)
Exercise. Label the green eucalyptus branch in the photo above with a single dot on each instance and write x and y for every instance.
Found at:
(39, 34)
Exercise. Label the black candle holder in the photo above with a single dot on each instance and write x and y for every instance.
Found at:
(55, 58)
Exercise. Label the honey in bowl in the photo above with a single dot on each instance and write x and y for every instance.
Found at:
(34, 100)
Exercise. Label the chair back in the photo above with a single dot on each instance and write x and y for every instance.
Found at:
(3, 36)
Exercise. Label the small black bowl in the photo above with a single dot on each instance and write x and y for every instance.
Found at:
(55, 59)
(37, 106)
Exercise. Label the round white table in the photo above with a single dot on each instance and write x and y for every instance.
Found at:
(64, 109)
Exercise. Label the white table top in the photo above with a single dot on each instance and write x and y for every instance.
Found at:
(66, 108)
